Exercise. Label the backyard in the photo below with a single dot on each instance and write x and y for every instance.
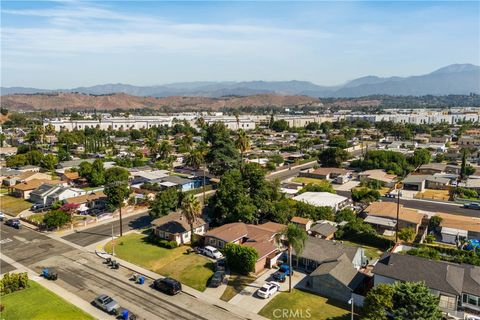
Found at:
(303, 305)
(36, 303)
(191, 269)
(308, 180)
(13, 205)
(372, 253)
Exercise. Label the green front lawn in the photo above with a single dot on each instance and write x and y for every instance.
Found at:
(303, 305)
(38, 303)
(236, 283)
(191, 269)
(13, 205)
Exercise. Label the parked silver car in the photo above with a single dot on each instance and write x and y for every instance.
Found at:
(106, 303)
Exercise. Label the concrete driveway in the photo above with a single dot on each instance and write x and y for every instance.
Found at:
(248, 299)
(346, 186)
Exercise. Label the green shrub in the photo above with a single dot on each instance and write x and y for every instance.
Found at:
(240, 258)
(12, 282)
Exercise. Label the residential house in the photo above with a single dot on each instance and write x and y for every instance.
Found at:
(303, 223)
(174, 227)
(458, 227)
(25, 177)
(379, 175)
(323, 199)
(418, 182)
(469, 141)
(473, 184)
(383, 216)
(51, 193)
(332, 267)
(432, 168)
(66, 165)
(456, 285)
(260, 237)
(23, 190)
(71, 177)
(337, 175)
(7, 174)
(88, 202)
(324, 230)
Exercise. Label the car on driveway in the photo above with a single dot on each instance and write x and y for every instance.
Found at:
(217, 279)
(106, 303)
(282, 273)
(220, 265)
(15, 223)
(2, 216)
(40, 207)
(472, 205)
(268, 289)
(168, 285)
(212, 252)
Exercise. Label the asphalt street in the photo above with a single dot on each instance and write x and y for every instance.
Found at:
(427, 206)
(93, 235)
(84, 274)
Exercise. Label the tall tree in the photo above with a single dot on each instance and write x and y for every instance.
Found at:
(295, 238)
(191, 210)
(242, 143)
(117, 189)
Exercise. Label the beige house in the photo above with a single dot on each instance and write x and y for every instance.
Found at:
(23, 190)
(383, 215)
(174, 227)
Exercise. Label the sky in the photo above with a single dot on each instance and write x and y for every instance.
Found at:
(66, 44)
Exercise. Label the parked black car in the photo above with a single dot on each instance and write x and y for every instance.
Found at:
(168, 285)
(220, 265)
(14, 223)
(40, 207)
(217, 279)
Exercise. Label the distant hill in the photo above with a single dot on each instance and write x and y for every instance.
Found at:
(79, 101)
(452, 79)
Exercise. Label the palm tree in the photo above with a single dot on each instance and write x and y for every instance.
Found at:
(191, 210)
(194, 159)
(243, 142)
(295, 238)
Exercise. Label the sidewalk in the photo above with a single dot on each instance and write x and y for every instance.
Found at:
(240, 311)
(61, 292)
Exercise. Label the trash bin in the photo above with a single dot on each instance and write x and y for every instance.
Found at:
(125, 314)
(141, 279)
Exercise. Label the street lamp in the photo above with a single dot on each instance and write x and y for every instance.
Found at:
(350, 301)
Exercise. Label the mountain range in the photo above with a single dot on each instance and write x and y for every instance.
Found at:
(452, 79)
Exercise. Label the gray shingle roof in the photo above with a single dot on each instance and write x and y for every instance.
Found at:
(321, 250)
(438, 275)
(324, 229)
(342, 270)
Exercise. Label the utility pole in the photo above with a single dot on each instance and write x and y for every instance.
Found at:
(398, 213)
(113, 243)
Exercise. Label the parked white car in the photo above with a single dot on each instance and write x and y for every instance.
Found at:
(268, 289)
(212, 252)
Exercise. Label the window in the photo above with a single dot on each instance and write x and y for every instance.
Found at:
(220, 244)
(447, 302)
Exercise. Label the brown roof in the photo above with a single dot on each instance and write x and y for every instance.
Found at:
(378, 174)
(389, 210)
(72, 175)
(263, 247)
(229, 232)
(459, 222)
(34, 184)
(86, 197)
(25, 175)
(328, 170)
(232, 231)
(300, 220)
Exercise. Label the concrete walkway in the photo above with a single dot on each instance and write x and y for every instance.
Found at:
(61, 292)
(247, 298)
